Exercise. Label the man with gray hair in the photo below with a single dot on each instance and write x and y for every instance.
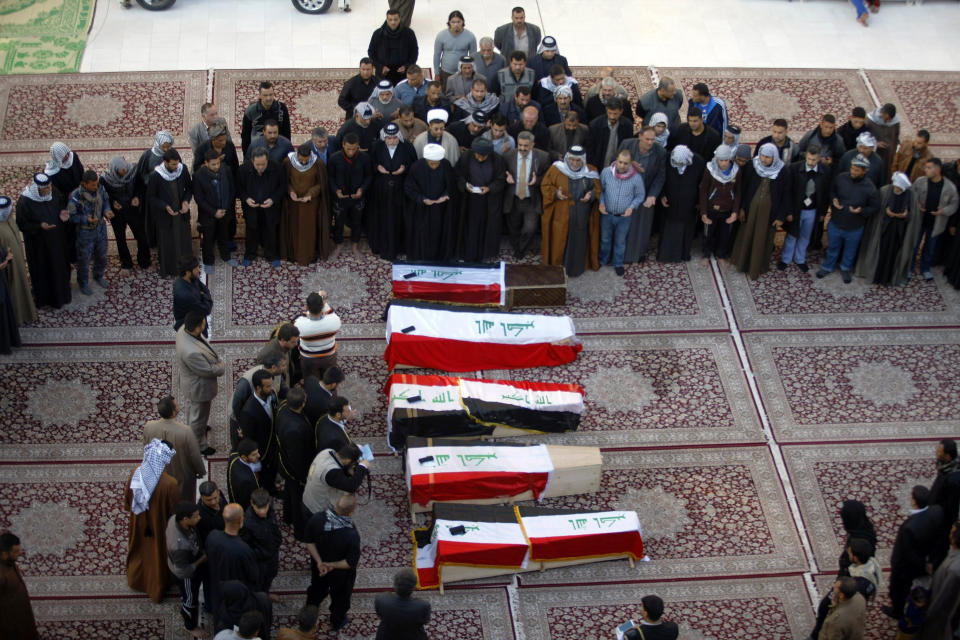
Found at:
(650, 159)
(400, 615)
(596, 104)
(200, 132)
(522, 202)
(460, 83)
(486, 61)
(667, 99)
(322, 144)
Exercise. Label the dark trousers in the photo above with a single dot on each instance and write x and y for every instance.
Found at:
(262, 231)
(523, 221)
(716, 236)
(900, 584)
(350, 212)
(338, 584)
(190, 596)
(405, 7)
(822, 610)
(215, 232)
(316, 366)
(134, 220)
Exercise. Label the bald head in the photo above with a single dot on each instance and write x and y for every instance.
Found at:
(346, 505)
(530, 116)
(232, 518)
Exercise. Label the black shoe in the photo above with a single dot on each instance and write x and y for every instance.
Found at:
(888, 611)
(822, 274)
(618, 270)
(340, 625)
(846, 277)
(803, 266)
(781, 266)
(209, 451)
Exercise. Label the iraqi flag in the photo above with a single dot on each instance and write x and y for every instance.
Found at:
(479, 472)
(465, 339)
(445, 406)
(470, 536)
(568, 535)
(483, 284)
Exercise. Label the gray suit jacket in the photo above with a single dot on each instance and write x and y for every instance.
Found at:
(199, 367)
(503, 40)
(187, 464)
(541, 164)
(558, 139)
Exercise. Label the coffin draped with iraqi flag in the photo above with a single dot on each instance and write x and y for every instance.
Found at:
(446, 406)
(451, 338)
(481, 284)
(515, 538)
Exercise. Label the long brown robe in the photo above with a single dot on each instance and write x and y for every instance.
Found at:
(23, 306)
(555, 220)
(147, 548)
(301, 220)
(17, 622)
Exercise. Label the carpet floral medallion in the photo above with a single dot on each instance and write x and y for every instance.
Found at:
(868, 385)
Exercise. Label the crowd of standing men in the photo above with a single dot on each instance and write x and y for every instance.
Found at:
(437, 171)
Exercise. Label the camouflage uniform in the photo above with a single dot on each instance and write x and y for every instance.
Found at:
(91, 237)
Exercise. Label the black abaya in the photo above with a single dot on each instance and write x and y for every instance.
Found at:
(9, 334)
(680, 216)
(64, 182)
(173, 231)
(431, 229)
(891, 242)
(46, 251)
(482, 213)
(386, 227)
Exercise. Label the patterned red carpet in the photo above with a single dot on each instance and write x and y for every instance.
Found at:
(855, 382)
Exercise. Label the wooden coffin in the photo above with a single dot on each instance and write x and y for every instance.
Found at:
(535, 285)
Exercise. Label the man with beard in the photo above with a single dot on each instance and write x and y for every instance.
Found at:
(548, 54)
(945, 490)
(392, 157)
(571, 216)
(148, 161)
(277, 146)
(432, 220)
(481, 177)
(606, 89)
(189, 293)
(412, 87)
(350, 174)
(385, 104)
(432, 99)
(358, 88)
(569, 133)
(458, 85)
(696, 136)
(855, 200)
(305, 207)
(393, 48)
(66, 172)
(120, 181)
(650, 159)
(260, 188)
(468, 129)
(478, 99)
(522, 200)
(513, 110)
(827, 138)
(884, 123)
(410, 125)
(214, 191)
(364, 125)
(262, 110)
(169, 194)
(606, 134)
(437, 134)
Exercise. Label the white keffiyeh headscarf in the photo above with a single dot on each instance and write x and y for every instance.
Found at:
(768, 150)
(681, 158)
(32, 190)
(56, 162)
(583, 172)
(156, 457)
(162, 137)
(723, 152)
(112, 175)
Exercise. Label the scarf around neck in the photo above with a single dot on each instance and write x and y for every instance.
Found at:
(56, 161)
(156, 456)
(166, 174)
(113, 178)
(583, 172)
(723, 177)
(768, 149)
(622, 176)
(299, 166)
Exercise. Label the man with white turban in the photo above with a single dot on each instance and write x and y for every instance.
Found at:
(432, 222)
(437, 134)
(886, 250)
(151, 496)
(866, 147)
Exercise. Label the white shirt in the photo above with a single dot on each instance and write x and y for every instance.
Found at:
(318, 336)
